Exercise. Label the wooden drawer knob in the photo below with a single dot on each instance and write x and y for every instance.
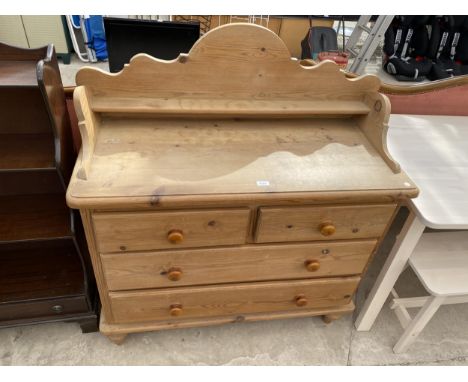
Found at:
(301, 300)
(174, 274)
(327, 229)
(175, 309)
(175, 236)
(312, 265)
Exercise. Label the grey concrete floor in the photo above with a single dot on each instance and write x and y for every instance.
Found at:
(305, 341)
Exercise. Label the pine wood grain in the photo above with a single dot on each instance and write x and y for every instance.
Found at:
(155, 158)
(226, 108)
(245, 77)
(277, 224)
(127, 231)
(238, 264)
(88, 123)
(165, 202)
(122, 329)
(189, 165)
(97, 266)
(237, 61)
(222, 300)
(378, 137)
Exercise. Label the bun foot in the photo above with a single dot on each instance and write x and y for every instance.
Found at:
(117, 338)
(328, 318)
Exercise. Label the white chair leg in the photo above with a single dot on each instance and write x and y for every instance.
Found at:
(394, 265)
(418, 323)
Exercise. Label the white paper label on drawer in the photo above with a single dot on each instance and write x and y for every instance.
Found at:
(263, 183)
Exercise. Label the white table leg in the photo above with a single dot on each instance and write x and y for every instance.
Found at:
(396, 261)
(418, 323)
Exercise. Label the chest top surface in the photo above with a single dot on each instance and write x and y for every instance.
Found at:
(236, 115)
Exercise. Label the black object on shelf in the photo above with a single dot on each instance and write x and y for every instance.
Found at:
(160, 39)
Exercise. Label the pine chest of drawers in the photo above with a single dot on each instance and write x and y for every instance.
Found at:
(231, 184)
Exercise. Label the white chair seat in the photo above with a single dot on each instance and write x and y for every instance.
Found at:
(440, 260)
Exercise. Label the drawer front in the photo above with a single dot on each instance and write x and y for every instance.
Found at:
(47, 309)
(223, 300)
(136, 231)
(322, 222)
(224, 265)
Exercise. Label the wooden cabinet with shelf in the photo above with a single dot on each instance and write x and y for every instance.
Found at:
(232, 184)
(45, 272)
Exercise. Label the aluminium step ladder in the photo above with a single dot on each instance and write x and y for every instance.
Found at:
(374, 36)
(78, 24)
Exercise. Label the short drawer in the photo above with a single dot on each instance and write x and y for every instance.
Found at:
(136, 231)
(277, 224)
(222, 300)
(124, 271)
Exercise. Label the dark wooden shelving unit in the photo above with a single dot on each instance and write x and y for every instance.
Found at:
(45, 271)
(54, 262)
(34, 217)
(26, 151)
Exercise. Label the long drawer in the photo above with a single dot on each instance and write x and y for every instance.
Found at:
(137, 231)
(209, 301)
(46, 309)
(241, 264)
(280, 224)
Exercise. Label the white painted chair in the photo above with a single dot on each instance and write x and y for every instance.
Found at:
(440, 260)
